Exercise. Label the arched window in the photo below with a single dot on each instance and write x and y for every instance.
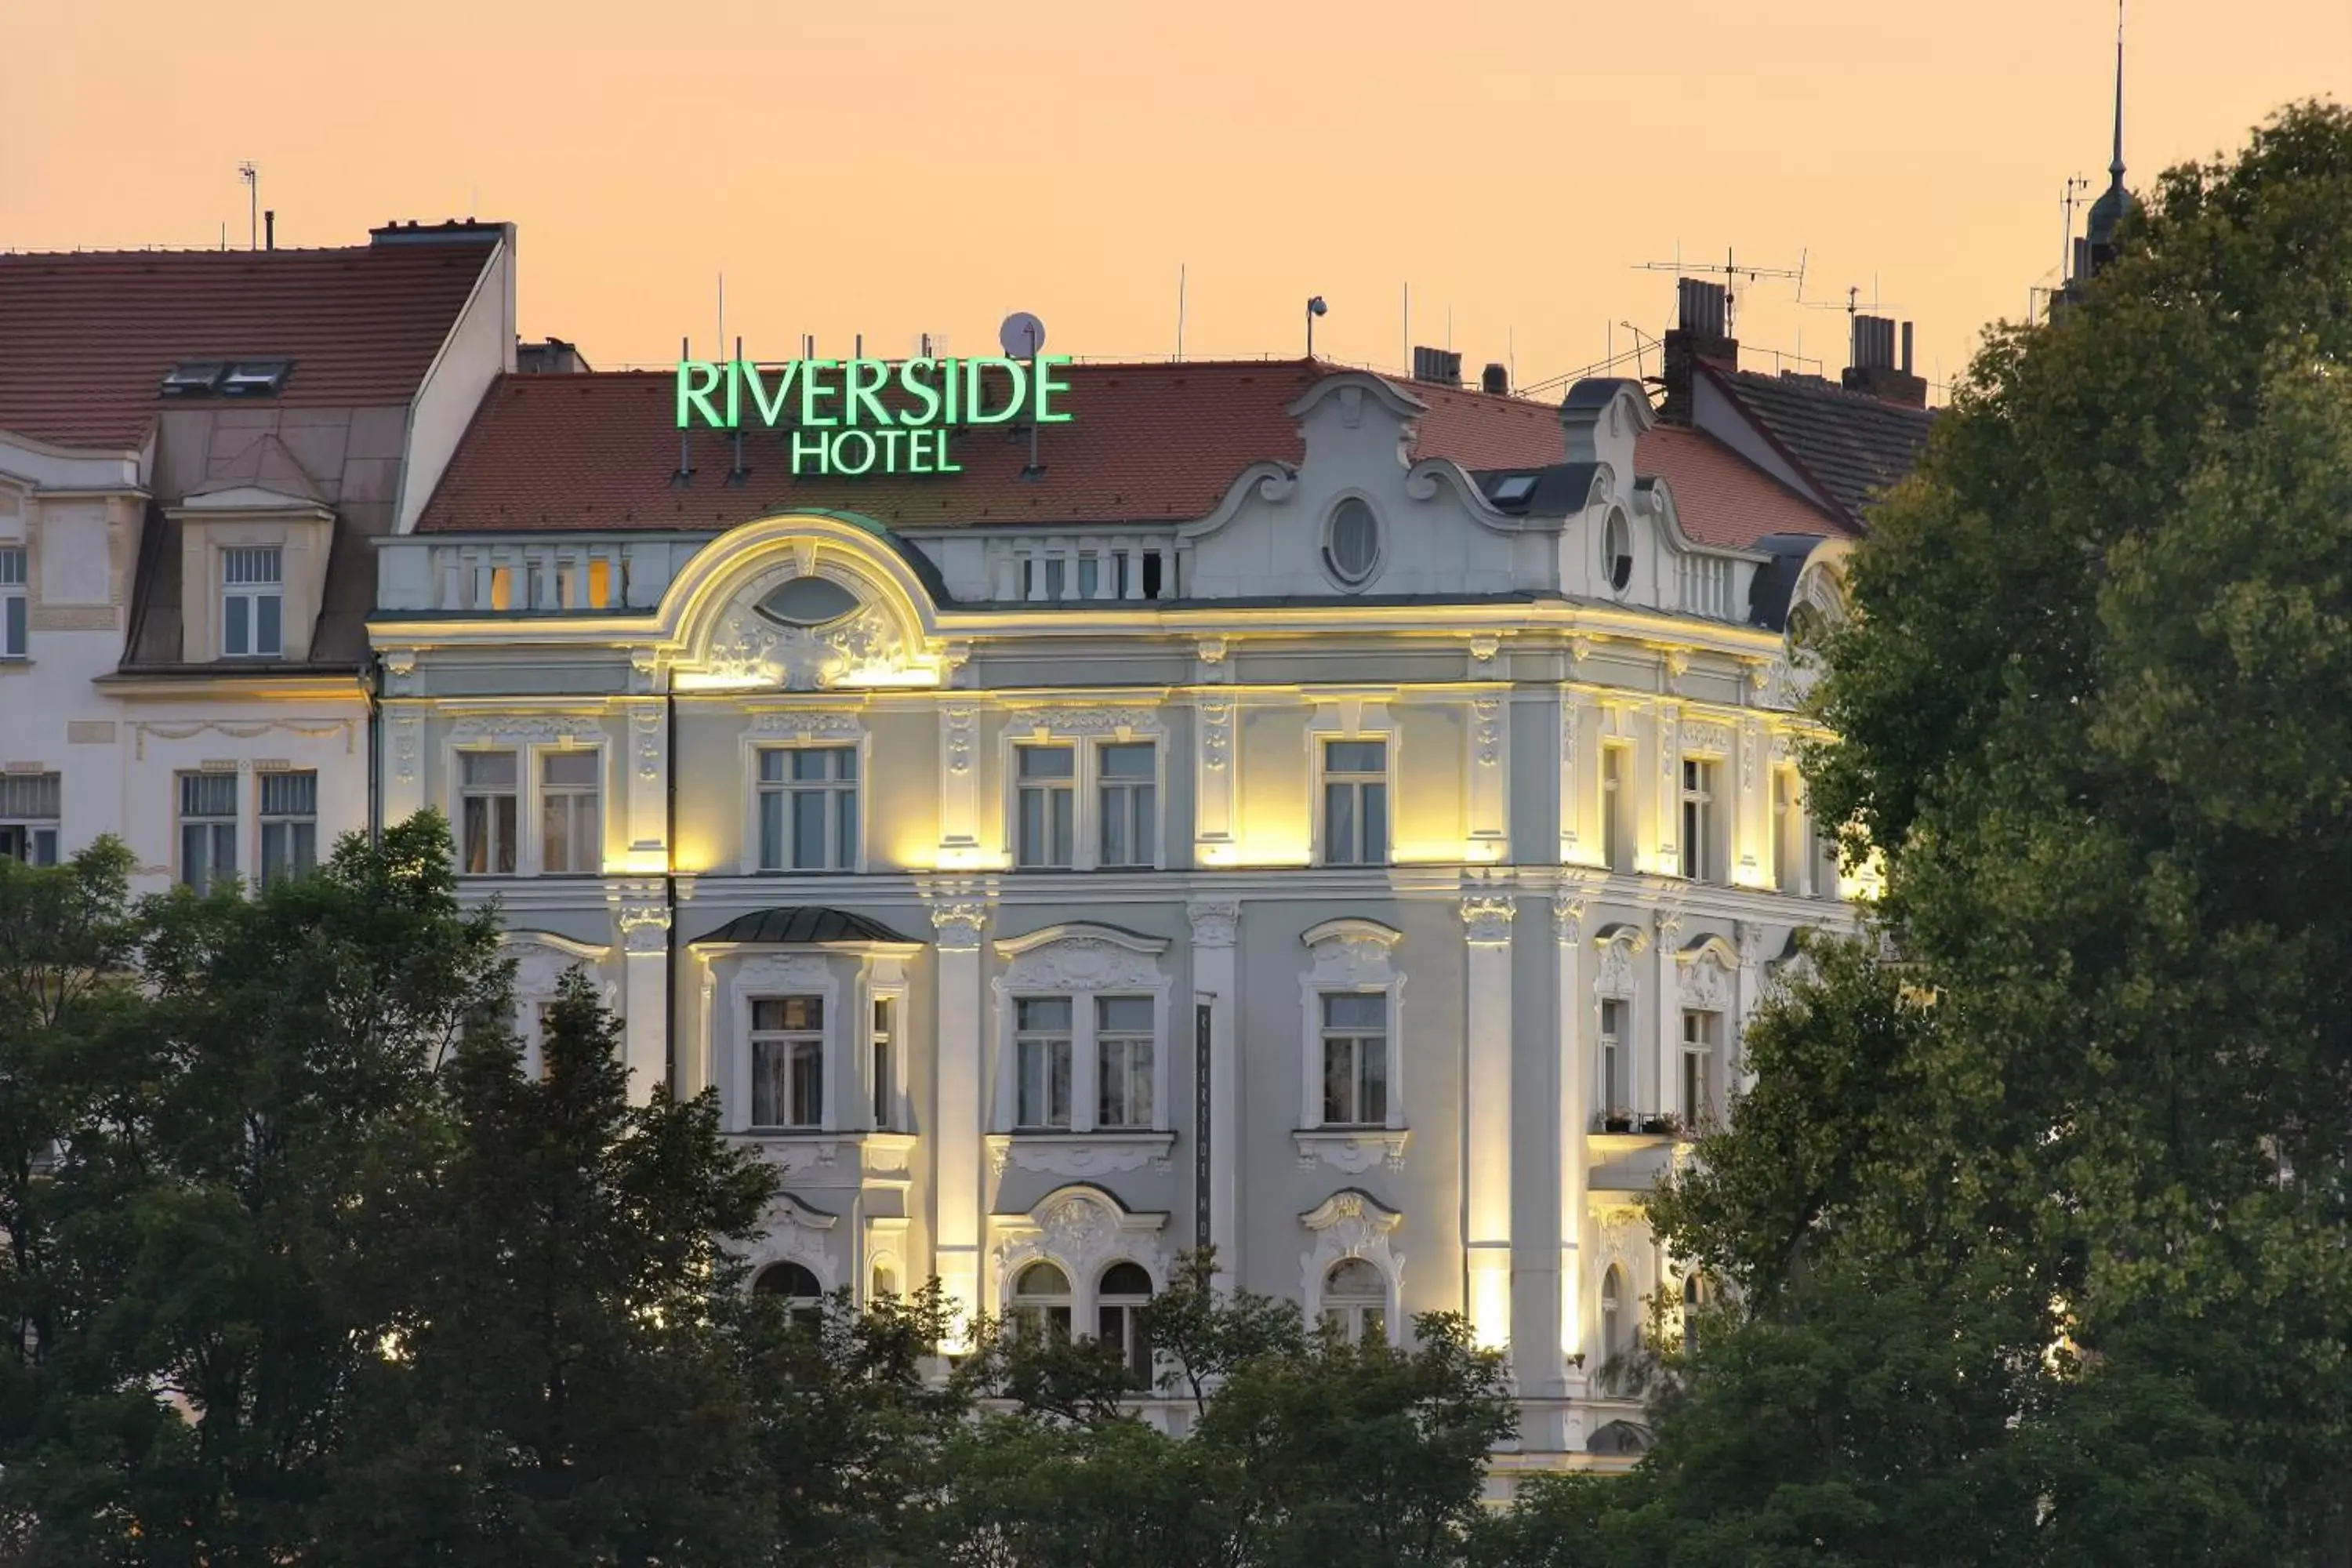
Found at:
(885, 1283)
(1041, 1300)
(1613, 1312)
(1119, 1301)
(1693, 1297)
(803, 1296)
(1356, 1302)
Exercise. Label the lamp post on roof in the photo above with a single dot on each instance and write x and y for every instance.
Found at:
(1315, 307)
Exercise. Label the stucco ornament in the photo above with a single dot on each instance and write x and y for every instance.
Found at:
(1351, 953)
(1075, 720)
(793, 1232)
(1487, 919)
(1084, 1229)
(1214, 924)
(958, 924)
(750, 650)
(644, 919)
(1616, 947)
(1351, 1223)
(1082, 963)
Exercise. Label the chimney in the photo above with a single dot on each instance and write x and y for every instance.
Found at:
(270, 230)
(1702, 331)
(1875, 368)
(1496, 380)
(1437, 367)
(553, 357)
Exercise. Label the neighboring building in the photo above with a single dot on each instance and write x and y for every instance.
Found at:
(1342, 819)
(196, 450)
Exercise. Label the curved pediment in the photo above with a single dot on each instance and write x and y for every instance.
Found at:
(801, 603)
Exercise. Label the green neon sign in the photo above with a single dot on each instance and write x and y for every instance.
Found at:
(869, 416)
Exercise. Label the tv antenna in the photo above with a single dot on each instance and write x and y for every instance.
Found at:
(1855, 303)
(1729, 270)
(2075, 186)
(250, 173)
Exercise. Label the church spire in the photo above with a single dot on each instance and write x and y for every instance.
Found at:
(2108, 210)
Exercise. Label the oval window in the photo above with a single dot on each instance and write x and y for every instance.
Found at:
(1617, 550)
(1352, 546)
(809, 602)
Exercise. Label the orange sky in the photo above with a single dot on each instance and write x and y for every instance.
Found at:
(895, 166)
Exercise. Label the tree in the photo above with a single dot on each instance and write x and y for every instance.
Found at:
(561, 1382)
(2037, 1233)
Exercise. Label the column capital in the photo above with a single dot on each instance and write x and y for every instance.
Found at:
(1214, 922)
(1487, 919)
(959, 923)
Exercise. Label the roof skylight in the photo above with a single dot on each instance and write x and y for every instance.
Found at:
(256, 377)
(1517, 488)
(192, 377)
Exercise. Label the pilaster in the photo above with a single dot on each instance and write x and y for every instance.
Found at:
(958, 916)
(1486, 1144)
(642, 911)
(1215, 926)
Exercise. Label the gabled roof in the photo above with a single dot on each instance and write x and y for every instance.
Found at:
(1153, 443)
(86, 338)
(1850, 445)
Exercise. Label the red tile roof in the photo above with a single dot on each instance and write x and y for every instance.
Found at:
(86, 337)
(1151, 443)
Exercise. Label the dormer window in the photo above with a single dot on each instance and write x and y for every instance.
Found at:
(255, 377)
(252, 602)
(1351, 541)
(1617, 550)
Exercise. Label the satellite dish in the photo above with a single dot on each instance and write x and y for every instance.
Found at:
(1022, 335)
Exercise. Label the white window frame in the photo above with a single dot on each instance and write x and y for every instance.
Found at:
(886, 1093)
(1620, 838)
(1019, 785)
(37, 836)
(1082, 963)
(832, 789)
(1320, 777)
(1130, 1307)
(266, 819)
(1619, 1044)
(602, 794)
(821, 729)
(1351, 957)
(1028, 1041)
(1351, 1327)
(1124, 785)
(1708, 1050)
(818, 1040)
(761, 974)
(530, 845)
(1795, 856)
(1352, 1223)
(252, 594)
(1704, 860)
(16, 600)
(181, 820)
(1085, 731)
(459, 795)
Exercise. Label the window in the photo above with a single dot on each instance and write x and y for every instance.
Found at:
(1041, 1300)
(1130, 804)
(1123, 1027)
(486, 808)
(1355, 803)
(1048, 806)
(1699, 1031)
(1120, 1301)
(1617, 550)
(885, 1092)
(1089, 576)
(1351, 544)
(1693, 1297)
(808, 809)
(252, 602)
(1614, 1045)
(803, 1296)
(1042, 1054)
(788, 1061)
(807, 602)
(1616, 810)
(207, 830)
(1613, 1312)
(290, 825)
(1699, 819)
(570, 842)
(1356, 1302)
(28, 817)
(12, 601)
(1355, 1058)
(884, 1283)
(1791, 854)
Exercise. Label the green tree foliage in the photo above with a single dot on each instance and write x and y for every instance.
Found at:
(2039, 1234)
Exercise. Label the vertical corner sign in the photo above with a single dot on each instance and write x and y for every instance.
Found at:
(855, 417)
(1202, 1013)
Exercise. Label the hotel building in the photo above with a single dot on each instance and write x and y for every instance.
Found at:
(1343, 819)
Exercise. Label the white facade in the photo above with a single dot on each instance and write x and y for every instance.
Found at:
(1360, 899)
